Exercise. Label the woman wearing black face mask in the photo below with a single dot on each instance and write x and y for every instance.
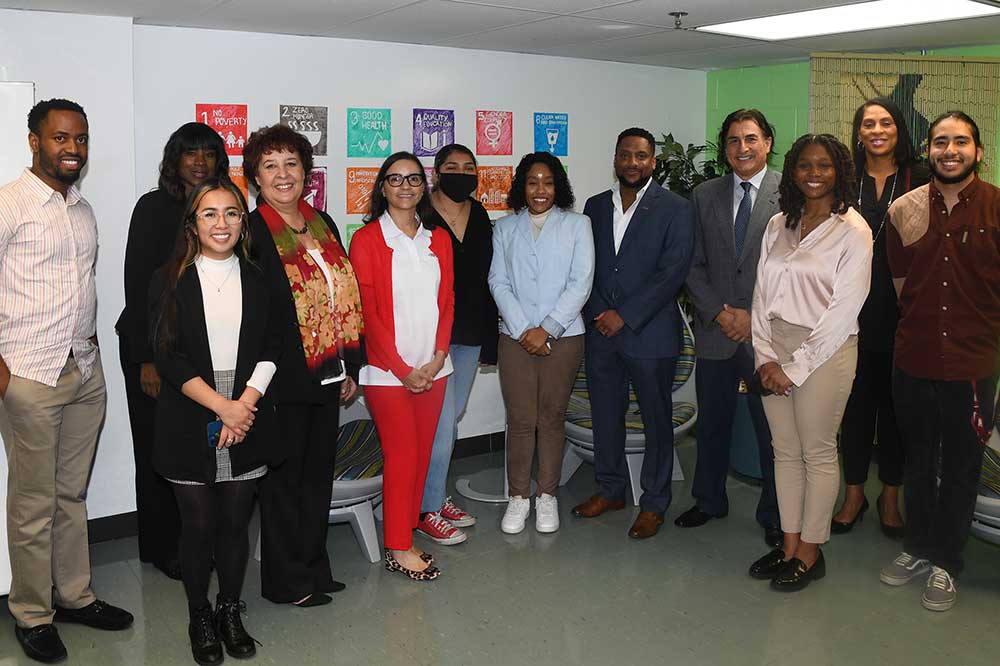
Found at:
(474, 333)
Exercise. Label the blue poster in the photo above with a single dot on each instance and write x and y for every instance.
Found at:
(551, 133)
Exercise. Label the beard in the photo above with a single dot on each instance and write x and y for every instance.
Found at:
(55, 169)
(950, 180)
(634, 184)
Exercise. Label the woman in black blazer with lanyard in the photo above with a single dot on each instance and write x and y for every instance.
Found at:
(215, 342)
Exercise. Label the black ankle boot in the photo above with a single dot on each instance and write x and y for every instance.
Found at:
(205, 646)
(229, 626)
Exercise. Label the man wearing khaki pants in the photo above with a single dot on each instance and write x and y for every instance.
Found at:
(52, 394)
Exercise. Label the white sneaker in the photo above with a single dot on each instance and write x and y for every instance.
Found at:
(517, 512)
(940, 593)
(546, 513)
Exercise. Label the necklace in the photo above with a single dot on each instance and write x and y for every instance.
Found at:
(892, 193)
(452, 222)
(218, 285)
(298, 232)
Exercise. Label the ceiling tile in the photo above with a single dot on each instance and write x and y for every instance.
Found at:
(627, 49)
(741, 56)
(154, 9)
(543, 35)
(550, 6)
(310, 17)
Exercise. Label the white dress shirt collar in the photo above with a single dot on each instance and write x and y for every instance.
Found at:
(390, 230)
(755, 180)
(42, 191)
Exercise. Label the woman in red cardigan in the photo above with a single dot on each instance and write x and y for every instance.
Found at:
(405, 274)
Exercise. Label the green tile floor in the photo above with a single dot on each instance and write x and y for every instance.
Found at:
(584, 595)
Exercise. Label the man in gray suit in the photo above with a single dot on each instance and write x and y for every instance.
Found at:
(731, 213)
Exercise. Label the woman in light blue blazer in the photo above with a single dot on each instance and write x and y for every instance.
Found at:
(540, 277)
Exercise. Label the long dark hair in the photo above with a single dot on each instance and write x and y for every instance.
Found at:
(379, 204)
(845, 190)
(186, 250)
(190, 136)
(904, 153)
(564, 192)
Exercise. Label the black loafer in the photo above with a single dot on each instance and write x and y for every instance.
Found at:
(693, 517)
(97, 615)
(41, 643)
(774, 537)
(768, 566)
(796, 576)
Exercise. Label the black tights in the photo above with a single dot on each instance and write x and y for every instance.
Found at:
(214, 520)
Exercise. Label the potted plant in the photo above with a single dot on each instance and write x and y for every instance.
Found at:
(680, 169)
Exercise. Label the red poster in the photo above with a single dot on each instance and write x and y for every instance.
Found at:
(494, 184)
(229, 120)
(494, 130)
(360, 181)
(314, 191)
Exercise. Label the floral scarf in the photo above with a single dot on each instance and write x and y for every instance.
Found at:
(329, 331)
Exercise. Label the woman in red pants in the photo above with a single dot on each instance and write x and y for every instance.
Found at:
(405, 274)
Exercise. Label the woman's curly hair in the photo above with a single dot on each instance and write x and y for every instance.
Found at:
(845, 190)
(516, 199)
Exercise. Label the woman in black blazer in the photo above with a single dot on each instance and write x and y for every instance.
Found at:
(215, 342)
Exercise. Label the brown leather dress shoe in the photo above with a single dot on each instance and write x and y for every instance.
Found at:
(646, 524)
(597, 505)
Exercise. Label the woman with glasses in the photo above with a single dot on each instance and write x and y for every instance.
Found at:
(405, 274)
(215, 340)
(316, 297)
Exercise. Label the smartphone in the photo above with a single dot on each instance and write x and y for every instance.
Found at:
(214, 429)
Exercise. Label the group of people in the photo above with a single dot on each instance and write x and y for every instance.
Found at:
(244, 331)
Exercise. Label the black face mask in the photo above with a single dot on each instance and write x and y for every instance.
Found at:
(458, 186)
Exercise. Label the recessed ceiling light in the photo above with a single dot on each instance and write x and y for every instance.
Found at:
(615, 26)
(852, 18)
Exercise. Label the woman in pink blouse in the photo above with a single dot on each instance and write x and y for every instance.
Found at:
(812, 279)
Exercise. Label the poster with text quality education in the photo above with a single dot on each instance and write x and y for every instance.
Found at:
(369, 132)
(432, 128)
(314, 191)
(309, 121)
(494, 184)
(360, 181)
(552, 133)
(229, 120)
(494, 132)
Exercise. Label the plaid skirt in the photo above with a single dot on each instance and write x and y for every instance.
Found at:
(224, 380)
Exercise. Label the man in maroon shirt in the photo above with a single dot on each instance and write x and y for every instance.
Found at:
(943, 242)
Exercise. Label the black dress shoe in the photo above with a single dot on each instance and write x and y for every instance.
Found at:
(205, 646)
(313, 600)
(97, 615)
(891, 531)
(796, 576)
(768, 566)
(229, 627)
(837, 527)
(774, 537)
(693, 517)
(333, 587)
(41, 643)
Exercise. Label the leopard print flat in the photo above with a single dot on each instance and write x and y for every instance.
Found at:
(430, 573)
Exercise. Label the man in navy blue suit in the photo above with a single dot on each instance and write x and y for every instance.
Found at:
(644, 239)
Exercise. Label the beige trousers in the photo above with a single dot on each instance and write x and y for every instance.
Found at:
(804, 435)
(50, 435)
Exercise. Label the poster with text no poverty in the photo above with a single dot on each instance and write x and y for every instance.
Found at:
(494, 132)
(229, 120)
(369, 132)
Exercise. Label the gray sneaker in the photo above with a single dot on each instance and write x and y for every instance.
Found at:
(940, 593)
(903, 569)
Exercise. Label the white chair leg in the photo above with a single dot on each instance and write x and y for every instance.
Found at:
(678, 474)
(378, 509)
(634, 462)
(362, 521)
(571, 462)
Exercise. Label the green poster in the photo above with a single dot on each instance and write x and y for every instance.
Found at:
(369, 132)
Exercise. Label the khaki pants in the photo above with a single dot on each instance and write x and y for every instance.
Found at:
(804, 435)
(536, 392)
(50, 435)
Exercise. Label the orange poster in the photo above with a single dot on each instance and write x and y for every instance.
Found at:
(240, 181)
(494, 184)
(360, 181)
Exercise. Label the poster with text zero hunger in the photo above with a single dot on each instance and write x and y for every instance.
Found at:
(494, 184)
(494, 132)
(309, 121)
(369, 132)
(229, 120)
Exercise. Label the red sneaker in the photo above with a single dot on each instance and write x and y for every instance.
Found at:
(455, 515)
(435, 527)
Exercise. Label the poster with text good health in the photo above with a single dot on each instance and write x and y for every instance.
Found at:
(369, 132)
(432, 128)
(309, 121)
(494, 184)
(314, 191)
(360, 181)
(494, 132)
(240, 180)
(229, 120)
(552, 133)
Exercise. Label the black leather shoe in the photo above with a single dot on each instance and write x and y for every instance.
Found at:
(774, 537)
(796, 576)
(334, 587)
(891, 531)
(693, 517)
(843, 528)
(41, 643)
(768, 566)
(97, 615)
(205, 646)
(229, 628)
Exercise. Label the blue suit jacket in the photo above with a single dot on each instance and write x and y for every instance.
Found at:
(641, 281)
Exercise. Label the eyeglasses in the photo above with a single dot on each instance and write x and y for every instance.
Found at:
(413, 179)
(232, 217)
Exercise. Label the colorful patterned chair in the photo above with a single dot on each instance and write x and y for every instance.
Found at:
(580, 437)
(357, 484)
(986, 518)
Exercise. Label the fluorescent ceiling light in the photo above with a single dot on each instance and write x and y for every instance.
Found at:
(852, 18)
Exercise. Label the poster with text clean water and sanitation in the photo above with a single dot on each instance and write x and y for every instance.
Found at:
(494, 184)
(309, 121)
(552, 133)
(229, 120)
(314, 191)
(494, 132)
(432, 129)
(369, 132)
(360, 182)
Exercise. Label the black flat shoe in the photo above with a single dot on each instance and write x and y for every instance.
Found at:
(891, 531)
(774, 537)
(41, 643)
(313, 600)
(796, 576)
(837, 527)
(693, 517)
(334, 587)
(229, 628)
(205, 646)
(768, 566)
(96, 615)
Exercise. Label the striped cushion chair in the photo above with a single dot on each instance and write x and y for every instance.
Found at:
(986, 518)
(357, 483)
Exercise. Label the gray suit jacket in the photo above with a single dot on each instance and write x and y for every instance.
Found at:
(717, 275)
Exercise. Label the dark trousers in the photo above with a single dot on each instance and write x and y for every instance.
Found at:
(716, 382)
(295, 502)
(935, 418)
(870, 410)
(608, 375)
(159, 522)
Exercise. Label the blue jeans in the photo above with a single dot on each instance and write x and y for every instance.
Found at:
(465, 361)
